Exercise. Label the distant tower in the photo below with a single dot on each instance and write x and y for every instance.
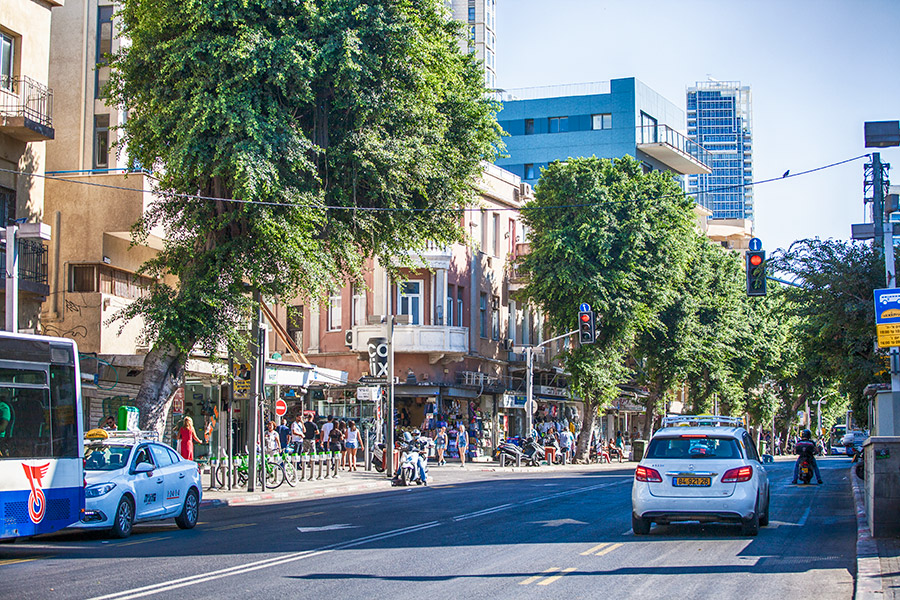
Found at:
(719, 119)
(479, 18)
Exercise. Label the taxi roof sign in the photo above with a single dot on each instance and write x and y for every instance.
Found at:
(97, 434)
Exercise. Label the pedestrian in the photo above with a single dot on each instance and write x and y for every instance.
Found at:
(620, 445)
(345, 456)
(310, 434)
(110, 424)
(187, 435)
(564, 442)
(440, 444)
(327, 426)
(297, 432)
(353, 443)
(336, 440)
(462, 444)
(273, 442)
(284, 433)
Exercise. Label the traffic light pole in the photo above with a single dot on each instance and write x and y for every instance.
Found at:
(529, 379)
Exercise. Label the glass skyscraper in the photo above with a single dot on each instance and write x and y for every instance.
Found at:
(719, 119)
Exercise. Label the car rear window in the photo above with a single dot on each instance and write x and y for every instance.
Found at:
(693, 448)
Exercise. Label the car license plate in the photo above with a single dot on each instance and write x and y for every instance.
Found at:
(692, 481)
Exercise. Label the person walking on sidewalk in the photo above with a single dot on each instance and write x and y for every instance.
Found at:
(345, 455)
(353, 443)
(188, 436)
(462, 444)
(620, 445)
(284, 433)
(310, 434)
(440, 444)
(327, 426)
(273, 443)
(297, 433)
(336, 440)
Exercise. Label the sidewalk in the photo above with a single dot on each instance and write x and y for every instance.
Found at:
(363, 481)
(877, 559)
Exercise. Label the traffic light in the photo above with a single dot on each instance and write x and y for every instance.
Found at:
(586, 332)
(756, 273)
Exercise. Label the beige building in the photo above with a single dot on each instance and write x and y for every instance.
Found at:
(479, 19)
(26, 113)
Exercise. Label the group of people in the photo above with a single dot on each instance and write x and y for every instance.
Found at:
(303, 435)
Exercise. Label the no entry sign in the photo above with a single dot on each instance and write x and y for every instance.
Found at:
(280, 407)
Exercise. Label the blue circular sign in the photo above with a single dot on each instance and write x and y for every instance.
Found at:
(584, 307)
(755, 244)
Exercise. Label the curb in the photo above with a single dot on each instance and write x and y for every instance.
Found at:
(868, 563)
(289, 495)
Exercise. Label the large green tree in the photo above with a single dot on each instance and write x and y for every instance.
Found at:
(309, 135)
(606, 233)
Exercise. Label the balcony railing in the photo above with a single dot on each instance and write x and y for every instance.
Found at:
(32, 261)
(26, 99)
(674, 149)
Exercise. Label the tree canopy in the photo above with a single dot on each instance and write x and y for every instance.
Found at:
(290, 140)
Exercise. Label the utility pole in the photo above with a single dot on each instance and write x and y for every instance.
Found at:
(255, 391)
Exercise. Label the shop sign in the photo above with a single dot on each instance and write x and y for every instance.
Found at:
(366, 394)
(513, 401)
(241, 378)
(178, 401)
(378, 356)
(549, 390)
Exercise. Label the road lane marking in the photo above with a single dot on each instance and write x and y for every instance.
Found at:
(534, 578)
(553, 578)
(235, 526)
(13, 561)
(150, 539)
(609, 549)
(594, 549)
(326, 528)
(302, 515)
(805, 516)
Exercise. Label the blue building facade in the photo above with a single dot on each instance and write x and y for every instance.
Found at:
(607, 120)
(719, 118)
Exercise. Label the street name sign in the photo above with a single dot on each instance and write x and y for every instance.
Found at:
(887, 317)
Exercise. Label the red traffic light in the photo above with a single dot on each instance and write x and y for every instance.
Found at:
(585, 317)
(756, 260)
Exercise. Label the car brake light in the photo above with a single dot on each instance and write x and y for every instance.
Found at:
(694, 435)
(738, 474)
(647, 474)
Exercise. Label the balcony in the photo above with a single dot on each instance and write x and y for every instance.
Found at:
(434, 255)
(26, 108)
(438, 341)
(32, 266)
(681, 154)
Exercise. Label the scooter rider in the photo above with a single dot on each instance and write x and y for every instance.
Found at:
(420, 445)
(806, 449)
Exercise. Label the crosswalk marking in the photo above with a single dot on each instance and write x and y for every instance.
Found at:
(553, 578)
(534, 578)
(608, 549)
(594, 549)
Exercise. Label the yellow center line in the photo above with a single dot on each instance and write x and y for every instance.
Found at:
(13, 561)
(608, 550)
(550, 580)
(594, 549)
(150, 539)
(309, 514)
(534, 578)
(235, 526)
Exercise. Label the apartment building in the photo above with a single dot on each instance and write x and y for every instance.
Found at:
(26, 124)
(479, 17)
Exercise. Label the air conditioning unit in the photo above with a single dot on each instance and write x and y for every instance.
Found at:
(508, 344)
(524, 189)
(495, 303)
(348, 338)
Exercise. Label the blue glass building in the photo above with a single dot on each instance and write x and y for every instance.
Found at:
(606, 119)
(719, 119)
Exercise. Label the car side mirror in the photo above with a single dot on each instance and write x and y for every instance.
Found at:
(143, 468)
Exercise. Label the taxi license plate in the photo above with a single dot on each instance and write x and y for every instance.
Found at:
(692, 482)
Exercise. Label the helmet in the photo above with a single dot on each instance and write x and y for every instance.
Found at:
(805, 434)
(406, 437)
(416, 433)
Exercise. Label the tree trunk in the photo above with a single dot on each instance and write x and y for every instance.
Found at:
(163, 372)
(582, 449)
(649, 416)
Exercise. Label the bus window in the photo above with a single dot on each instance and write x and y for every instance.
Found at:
(63, 422)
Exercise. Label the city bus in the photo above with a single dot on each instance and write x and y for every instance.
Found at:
(41, 435)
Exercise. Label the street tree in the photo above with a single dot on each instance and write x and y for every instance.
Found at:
(606, 233)
(290, 140)
(836, 314)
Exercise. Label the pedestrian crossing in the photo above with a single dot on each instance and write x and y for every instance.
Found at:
(548, 576)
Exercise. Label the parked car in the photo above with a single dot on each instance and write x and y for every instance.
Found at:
(698, 469)
(854, 440)
(133, 478)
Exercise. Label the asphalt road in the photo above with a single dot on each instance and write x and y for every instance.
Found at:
(470, 534)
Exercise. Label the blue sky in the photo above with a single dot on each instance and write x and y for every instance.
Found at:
(817, 69)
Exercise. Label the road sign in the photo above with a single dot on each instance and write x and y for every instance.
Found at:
(280, 407)
(584, 307)
(887, 317)
(755, 244)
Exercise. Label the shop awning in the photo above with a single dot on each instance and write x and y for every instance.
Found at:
(301, 375)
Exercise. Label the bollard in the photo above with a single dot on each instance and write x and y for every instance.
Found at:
(319, 461)
(304, 460)
(502, 460)
(335, 457)
(326, 458)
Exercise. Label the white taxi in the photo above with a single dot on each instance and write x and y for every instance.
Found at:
(130, 477)
(700, 468)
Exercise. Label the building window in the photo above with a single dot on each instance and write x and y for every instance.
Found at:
(529, 171)
(484, 232)
(529, 126)
(450, 310)
(104, 47)
(295, 324)
(601, 121)
(460, 294)
(558, 124)
(334, 313)
(495, 318)
(7, 206)
(411, 301)
(483, 320)
(101, 141)
(496, 244)
(471, 13)
(648, 129)
(7, 66)
(83, 278)
(358, 306)
(108, 280)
